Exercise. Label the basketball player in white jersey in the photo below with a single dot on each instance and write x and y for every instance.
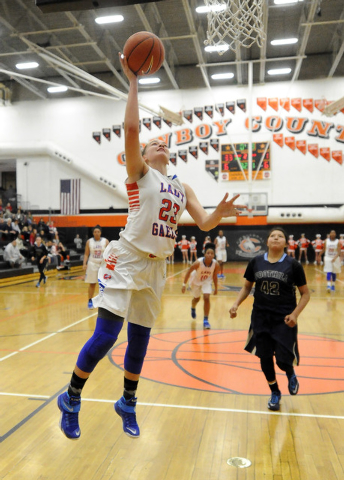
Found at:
(133, 271)
(93, 256)
(331, 260)
(201, 275)
(221, 253)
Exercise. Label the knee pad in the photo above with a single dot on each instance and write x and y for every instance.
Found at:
(328, 276)
(103, 338)
(138, 339)
(334, 277)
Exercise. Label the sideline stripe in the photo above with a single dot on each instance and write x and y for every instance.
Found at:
(46, 337)
(228, 410)
(190, 407)
(23, 395)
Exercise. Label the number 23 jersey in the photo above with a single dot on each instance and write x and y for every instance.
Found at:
(275, 283)
(156, 203)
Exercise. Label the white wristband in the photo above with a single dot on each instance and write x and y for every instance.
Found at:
(184, 285)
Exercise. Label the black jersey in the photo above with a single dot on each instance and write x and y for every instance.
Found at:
(275, 283)
(39, 251)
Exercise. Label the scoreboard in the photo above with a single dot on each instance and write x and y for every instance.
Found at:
(230, 169)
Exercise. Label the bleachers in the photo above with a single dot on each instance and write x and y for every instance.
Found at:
(75, 260)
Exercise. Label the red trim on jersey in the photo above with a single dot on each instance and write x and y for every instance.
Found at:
(133, 196)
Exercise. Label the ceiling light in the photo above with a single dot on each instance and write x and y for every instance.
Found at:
(279, 71)
(60, 88)
(285, 2)
(109, 19)
(221, 76)
(284, 41)
(211, 8)
(23, 66)
(217, 48)
(147, 81)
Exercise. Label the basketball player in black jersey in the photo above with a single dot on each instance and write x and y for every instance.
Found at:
(273, 329)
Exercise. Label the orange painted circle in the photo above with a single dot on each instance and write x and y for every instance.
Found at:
(215, 361)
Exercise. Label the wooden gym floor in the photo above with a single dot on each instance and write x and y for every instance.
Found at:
(202, 399)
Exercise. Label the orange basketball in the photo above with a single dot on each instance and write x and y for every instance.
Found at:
(145, 53)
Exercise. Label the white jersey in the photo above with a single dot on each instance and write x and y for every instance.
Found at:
(156, 203)
(221, 243)
(331, 250)
(97, 248)
(203, 274)
(331, 247)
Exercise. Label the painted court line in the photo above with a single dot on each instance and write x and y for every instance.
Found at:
(190, 407)
(27, 395)
(46, 337)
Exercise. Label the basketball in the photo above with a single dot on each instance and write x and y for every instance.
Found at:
(145, 53)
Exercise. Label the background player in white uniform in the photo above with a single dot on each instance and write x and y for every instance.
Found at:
(331, 260)
(221, 253)
(201, 276)
(133, 272)
(93, 257)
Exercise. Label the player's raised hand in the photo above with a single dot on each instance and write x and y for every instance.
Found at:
(129, 74)
(228, 209)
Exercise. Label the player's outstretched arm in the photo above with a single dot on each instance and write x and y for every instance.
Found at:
(193, 267)
(135, 165)
(243, 294)
(207, 221)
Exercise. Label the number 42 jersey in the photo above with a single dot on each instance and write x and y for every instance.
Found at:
(156, 203)
(275, 283)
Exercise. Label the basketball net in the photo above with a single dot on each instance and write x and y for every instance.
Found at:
(240, 22)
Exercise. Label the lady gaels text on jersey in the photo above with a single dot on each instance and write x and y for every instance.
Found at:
(156, 203)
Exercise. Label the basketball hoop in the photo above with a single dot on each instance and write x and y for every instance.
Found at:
(250, 212)
(233, 22)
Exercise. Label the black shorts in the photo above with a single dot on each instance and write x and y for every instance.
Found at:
(269, 335)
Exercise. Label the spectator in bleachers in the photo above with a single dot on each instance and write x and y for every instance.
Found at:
(25, 235)
(33, 235)
(54, 257)
(20, 217)
(39, 253)
(43, 226)
(1, 206)
(8, 211)
(22, 248)
(2, 226)
(16, 227)
(8, 232)
(29, 219)
(78, 242)
(43, 235)
(53, 233)
(12, 255)
(64, 253)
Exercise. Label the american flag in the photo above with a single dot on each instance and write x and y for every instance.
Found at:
(70, 196)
